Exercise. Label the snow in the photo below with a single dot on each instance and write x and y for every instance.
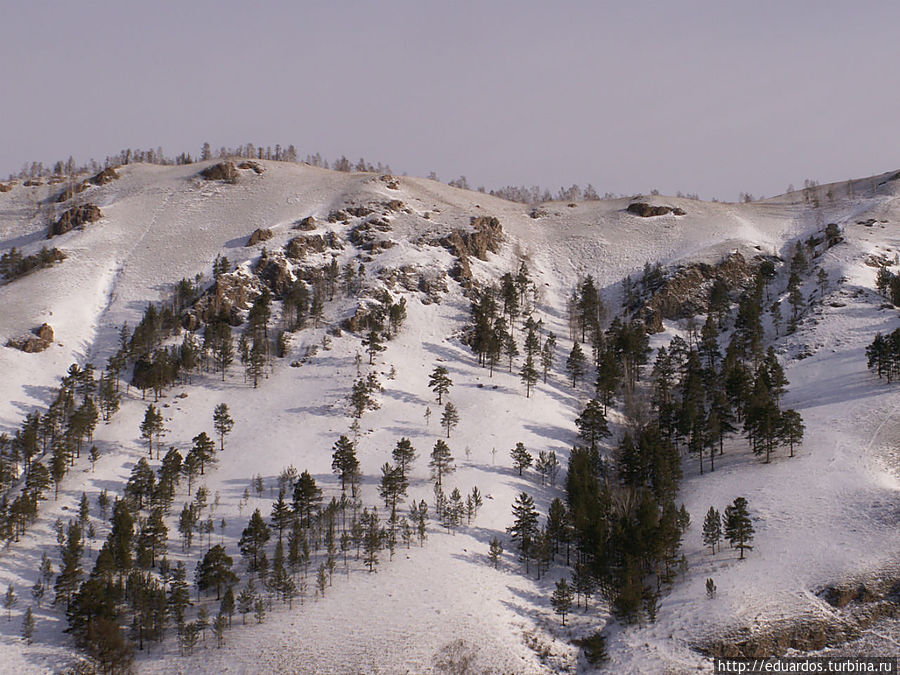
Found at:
(820, 517)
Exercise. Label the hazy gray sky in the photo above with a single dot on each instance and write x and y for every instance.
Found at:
(713, 97)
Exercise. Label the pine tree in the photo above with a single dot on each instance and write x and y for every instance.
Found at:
(439, 382)
(253, 540)
(575, 364)
(592, 424)
(393, 486)
(790, 429)
(372, 537)
(281, 515)
(524, 529)
(441, 461)
(222, 423)
(214, 571)
(738, 526)
(307, 496)
(205, 449)
(28, 625)
(712, 529)
(529, 375)
(151, 426)
(246, 600)
(450, 417)
(495, 551)
(522, 459)
(373, 342)
(70, 566)
(562, 599)
(547, 352)
(403, 454)
(10, 600)
(344, 462)
(227, 607)
(179, 595)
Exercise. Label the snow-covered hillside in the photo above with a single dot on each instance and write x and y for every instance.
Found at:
(822, 517)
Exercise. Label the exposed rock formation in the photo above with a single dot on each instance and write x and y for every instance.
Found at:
(31, 344)
(645, 210)
(77, 216)
(222, 171)
(259, 235)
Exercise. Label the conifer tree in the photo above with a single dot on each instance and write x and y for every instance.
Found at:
(246, 600)
(592, 424)
(227, 607)
(441, 461)
(179, 595)
(524, 529)
(372, 538)
(450, 417)
(10, 600)
(70, 566)
(547, 353)
(151, 427)
(529, 375)
(495, 551)
(214, 571)
(281, 515)
(790, 428)
(205, 450)
(344, 462)
(439, 382)
(28, 626)
(575, 364)
(522, 459)
(373, 342)
(307, 496)
(738, 526)
(404, 454)
(253, 540)
(712, 529)
(393, 486)
(222, 423)
(562, 599)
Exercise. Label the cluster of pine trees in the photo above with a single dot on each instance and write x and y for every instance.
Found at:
(883, 355)
(14, 265)
(45, 447)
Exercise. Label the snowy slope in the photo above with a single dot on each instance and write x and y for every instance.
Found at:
(820, 517)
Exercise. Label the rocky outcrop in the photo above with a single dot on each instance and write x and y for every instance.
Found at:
(108, 175)
(306, 224)
(222, 171)
(259, 235)
(485, 236)
(299, 247)
(685, 292)
(390, 182)
(6, 187)
(231, 293)
(273, 270)
(32, 344)
(77, 216)
(858, 606)
(252, 166)
(645, 210)
(70, 192)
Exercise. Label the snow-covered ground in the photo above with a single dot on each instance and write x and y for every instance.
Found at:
(823, 516)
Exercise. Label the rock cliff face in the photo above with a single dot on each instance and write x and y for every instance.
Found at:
(77, 216)
(645, 210)
(685, 292)
(31, 344)
(485, 236)
(222, 171)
